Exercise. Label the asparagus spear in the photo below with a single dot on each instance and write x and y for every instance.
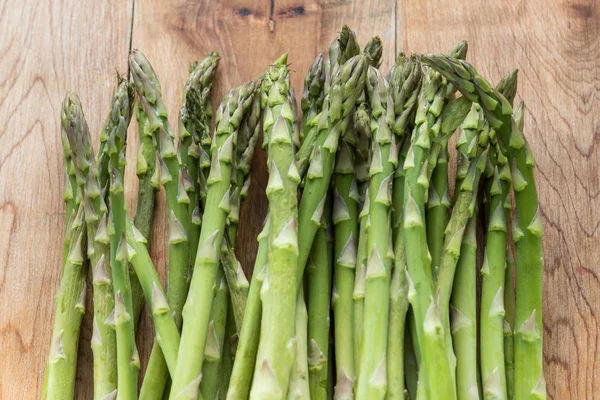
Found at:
(70, 299)
(528, 229)
(374, 49)
(194, 123)
(427, 321)
(493, 271)
(167, 332)
(175, 183)
(215, 341)
(312, 101)
(299, 384)
(278, 293)
(243, 365)
(464, 315)
(372, 379)
(509, 324)
(345, 89)
(200, 298)
(345, 219)
(319, 274)
(438, 203)
(104, 344)
(404, 107)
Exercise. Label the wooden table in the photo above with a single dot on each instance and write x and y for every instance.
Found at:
(49, 47)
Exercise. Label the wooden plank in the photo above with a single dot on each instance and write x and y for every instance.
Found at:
(47, 49)
(554, 44)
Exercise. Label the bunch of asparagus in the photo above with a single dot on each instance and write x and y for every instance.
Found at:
(361, 228)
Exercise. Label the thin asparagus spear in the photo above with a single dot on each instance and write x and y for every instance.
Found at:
(104, 345)
(397, 324)
(319, 276)
(148, 185)
(231, 339)
(374, 49)
(245, 358)
(358, 295)
(509, 324)
(345, 219)
(128, 362)
(438, 203)
(299, 384)
(200, 298)
(528, 229)
(167, 332)
(403, 123)
(215, 341)
(175, 182)
(70, 299)
(237, 283)
(492, 288)
(194, 121)
(312, 102)
(345, 89)
(372, 379)
(464, 315)
(421, 291)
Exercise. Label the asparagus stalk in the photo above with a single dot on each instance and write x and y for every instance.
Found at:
(299, 384)
(345, 219)
(509, 324)
(421, 292)
(200, 298)
(345, 89)
(492, 288)
(404, 109)
(312, 102)
(464, 315)
(103, 343)
(215, 341)
(237, 284)
(358, 294)
(175, 182)
(70, 299)
(397, 324)
(319, 274)
(528, 229)
(438, 203)
(228, 354)
(278, 293)
(194, 123)
(245, 358)
(128, 362)
(372, 379)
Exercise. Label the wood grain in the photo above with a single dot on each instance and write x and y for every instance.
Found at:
(51, 47)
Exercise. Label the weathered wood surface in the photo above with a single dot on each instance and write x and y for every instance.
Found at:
(51, 47)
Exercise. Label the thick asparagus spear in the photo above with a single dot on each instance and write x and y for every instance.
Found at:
(528, 229)
(372, 379)
(278, 294)
(319, 274)
(104, 344)
(70, 299)
(464, 316)
(200, 298)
